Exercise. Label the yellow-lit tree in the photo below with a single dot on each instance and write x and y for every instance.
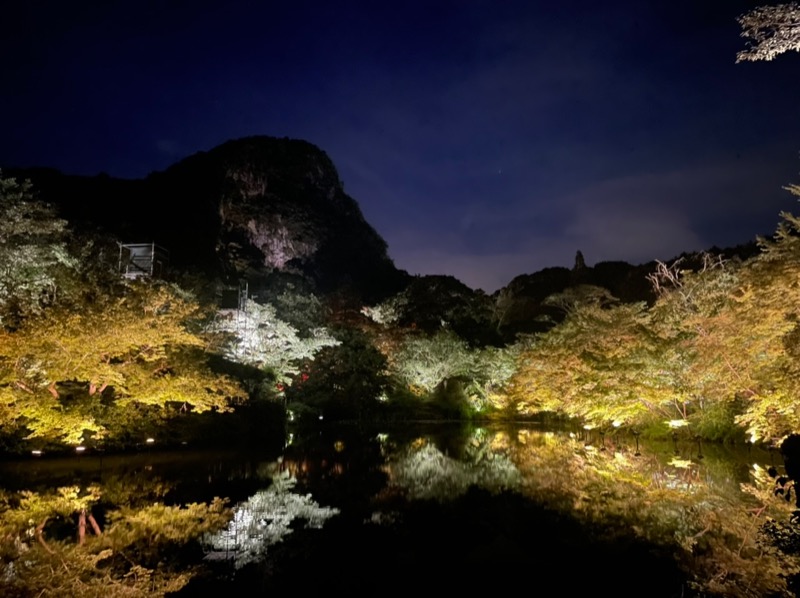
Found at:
(61, 370)
(695, 314)
(605, 364)
(767, 312)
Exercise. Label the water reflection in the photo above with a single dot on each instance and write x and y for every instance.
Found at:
(489, 496)
(263, 520)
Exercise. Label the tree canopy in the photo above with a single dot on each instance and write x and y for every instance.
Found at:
(770, 31)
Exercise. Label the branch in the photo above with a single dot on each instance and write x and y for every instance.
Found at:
(40, 536)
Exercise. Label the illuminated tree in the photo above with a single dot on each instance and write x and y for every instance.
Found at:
(256, 336)
(61, 371)
(33, 254)
(695, 311)
(342, 381)
(603, 365)
(493, 368)
(424, 362)
(768, 315)
(771, 30)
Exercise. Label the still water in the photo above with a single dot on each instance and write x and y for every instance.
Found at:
(444, 508)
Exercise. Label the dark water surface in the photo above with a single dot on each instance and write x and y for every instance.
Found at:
(440, 508)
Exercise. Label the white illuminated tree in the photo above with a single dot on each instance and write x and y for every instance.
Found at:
(770, 31)
(33, 256)
(255, 336)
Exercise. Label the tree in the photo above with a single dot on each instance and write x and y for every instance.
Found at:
(768, 332)
(33, 253)
(64, 370)
(343, 381)
(431, 303)
(256, 336)
(603, 365)
(771, 30)
(424, 362)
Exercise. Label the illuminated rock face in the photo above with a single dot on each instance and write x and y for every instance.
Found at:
(245, 209)
(281, 207)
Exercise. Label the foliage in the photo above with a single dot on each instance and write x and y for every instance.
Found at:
(345, 381)
(716, 352)
(62, 371)
(767, 313)
(770, 31)
(303, 311)
(432, 303)
(133, 557)
(424, 362)
(492, 371)
(255, 336)
(603, 365)
(33, 254)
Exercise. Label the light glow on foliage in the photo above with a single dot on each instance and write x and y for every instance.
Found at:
(118, 350)
(33, 255)
(256, 336)
(770, 31)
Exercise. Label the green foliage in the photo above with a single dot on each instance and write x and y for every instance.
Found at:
(345, 381)
(433, 303)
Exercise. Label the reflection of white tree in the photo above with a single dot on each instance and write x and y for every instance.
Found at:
(264, 520)
(426, 473)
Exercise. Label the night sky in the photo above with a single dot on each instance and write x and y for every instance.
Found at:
(482, 139)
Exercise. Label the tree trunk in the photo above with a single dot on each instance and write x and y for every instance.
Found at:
(95, 527)
(81, 527)
(40, 537)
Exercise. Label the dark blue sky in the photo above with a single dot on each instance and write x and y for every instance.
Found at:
(482, 139)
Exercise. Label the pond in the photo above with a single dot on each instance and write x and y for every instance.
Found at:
(433, 508)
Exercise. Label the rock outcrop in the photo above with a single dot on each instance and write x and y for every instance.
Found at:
(246, 209)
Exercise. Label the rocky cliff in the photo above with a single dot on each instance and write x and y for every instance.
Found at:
(246, 209)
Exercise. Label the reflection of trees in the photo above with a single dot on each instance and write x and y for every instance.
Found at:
(145, 539)
(265, 519)
(421, 471)
(138, 553)
(343, 467)
(691, 508)
(712, 527)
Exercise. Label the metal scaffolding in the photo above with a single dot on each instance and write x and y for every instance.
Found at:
(142, 259)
